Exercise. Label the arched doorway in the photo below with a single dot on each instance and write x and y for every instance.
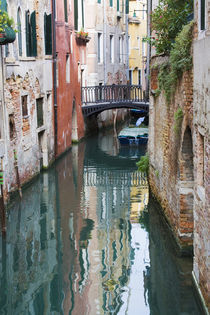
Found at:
(186, 189)
(74, 134)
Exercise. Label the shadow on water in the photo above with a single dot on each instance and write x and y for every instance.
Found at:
(83, 241)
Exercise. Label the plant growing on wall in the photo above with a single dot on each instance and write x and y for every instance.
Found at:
(178, 117)
(167, 21)
(180, 60)
(143, 164)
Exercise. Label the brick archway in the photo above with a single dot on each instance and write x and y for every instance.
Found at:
(186, 189)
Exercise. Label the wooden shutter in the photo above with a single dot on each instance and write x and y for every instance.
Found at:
(65, 11)
(118, 5)
(19, 33)
(33, 34)
(127, 7)
(75, 15)
(202, 15)
(48, 34)
(28, 40)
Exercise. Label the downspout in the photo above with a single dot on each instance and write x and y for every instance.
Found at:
(54, 78)
(104, 39)
(126, 38)
(149, 8)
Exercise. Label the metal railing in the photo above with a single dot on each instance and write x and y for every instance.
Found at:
(113, 93)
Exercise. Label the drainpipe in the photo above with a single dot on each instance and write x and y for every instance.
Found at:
(126, 38)
(54, 77)
(149, 8)
(104, 39)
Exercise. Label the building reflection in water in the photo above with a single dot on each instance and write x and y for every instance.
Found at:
(80, 242)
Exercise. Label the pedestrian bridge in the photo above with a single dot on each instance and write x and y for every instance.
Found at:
(96, 99)
(117, 178)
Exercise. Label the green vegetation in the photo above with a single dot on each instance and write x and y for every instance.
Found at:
(180, 60)
(178, 117)
(167, 21)
(143, 164)
(157, 173)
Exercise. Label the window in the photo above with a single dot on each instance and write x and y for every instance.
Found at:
(138, 43)
(39, 111)
(24, 105)
(143, 12)
(11, 126)
(99, 1)
(111, 48)
(67, 68)
(129, 45)
(118, 5)
(31, 42)
(200, 167)
(123, 57)
(120, 50)
(202, 15)
(127, 7)
(139, 77)
(100, 51)
(143, 49)
(65, 11)
(111, 3)
(19, 29)
(76, 14)
(130, 76)
(48, 34)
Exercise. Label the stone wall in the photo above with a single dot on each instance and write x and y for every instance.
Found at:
(179, 161)
(170, 152)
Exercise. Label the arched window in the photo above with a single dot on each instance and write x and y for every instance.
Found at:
(19, 27)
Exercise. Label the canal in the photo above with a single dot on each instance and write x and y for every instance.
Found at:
(87, 239)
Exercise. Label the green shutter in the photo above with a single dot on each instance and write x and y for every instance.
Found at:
(28, 37)
(65, 11)
(111, 3)
(75, 14)
(127, 7)
(118, 5)
(48, 34)
(19, 33)
(83, 14)
(99, 1)
(33, 34)
(203, 22)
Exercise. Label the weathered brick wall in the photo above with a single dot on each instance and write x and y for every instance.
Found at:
(29, 77)
(179, 163)
(201, 139)
(168, 175)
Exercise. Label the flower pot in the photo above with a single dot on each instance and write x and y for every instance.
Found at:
(7, 36)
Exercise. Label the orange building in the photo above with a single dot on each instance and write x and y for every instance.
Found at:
(69, 55)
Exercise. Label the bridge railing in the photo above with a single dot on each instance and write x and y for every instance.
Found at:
(113, 93)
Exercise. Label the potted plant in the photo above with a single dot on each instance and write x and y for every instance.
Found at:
(7, 32)
(82, 36)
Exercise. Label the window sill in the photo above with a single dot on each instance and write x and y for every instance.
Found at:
(41, 128)
(48, 57)
(27, 58)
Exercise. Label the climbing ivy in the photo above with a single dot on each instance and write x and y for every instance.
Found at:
(180, 60)
(178, 117)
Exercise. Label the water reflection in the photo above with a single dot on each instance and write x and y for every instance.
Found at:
(82, 241)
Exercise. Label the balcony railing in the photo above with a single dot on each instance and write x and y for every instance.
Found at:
(113, 93)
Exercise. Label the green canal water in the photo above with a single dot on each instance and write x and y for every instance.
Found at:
(87, 239)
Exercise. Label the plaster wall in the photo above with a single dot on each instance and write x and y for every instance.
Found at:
(30, 77)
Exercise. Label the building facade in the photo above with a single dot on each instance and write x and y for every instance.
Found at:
(137, 31)
(70, 58)
(27, 135)
(179, 151)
